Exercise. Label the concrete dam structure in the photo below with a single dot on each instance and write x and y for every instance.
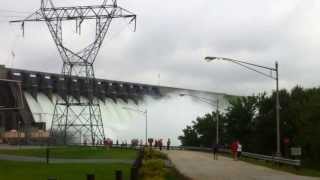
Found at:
(168, 112)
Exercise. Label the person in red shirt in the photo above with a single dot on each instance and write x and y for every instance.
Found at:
(234, 148)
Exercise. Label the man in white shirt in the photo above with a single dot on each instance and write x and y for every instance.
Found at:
(239, 149)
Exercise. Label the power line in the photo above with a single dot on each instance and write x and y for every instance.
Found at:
(14, 11)
(9, 16)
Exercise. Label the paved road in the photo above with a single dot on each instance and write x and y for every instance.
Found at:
(57, 161)
(15, 147)
(201, 166)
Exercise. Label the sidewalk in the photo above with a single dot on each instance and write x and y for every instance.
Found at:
(202, 166)
(59, 161)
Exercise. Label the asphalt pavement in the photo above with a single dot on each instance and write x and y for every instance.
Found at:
(202, 166)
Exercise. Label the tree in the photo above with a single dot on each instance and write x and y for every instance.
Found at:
(201, 133)
(190, 137)
(252, 120)
(206, 128)
(240, 119)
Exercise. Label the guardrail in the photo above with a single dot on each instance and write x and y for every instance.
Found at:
(275, 159)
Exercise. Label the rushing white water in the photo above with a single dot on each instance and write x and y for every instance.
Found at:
(166, 116)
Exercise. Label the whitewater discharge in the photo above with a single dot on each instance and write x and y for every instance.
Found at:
(167, 116)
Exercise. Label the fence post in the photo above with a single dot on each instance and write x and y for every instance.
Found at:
(134, 173)
(47, 155)
(90, 176)
(118, 175)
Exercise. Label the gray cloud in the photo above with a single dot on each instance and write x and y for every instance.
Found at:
(174, 36)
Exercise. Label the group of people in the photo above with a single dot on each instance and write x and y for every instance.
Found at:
(158, 143)
(236, 149)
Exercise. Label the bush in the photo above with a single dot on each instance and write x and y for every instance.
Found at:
(153, 169)
(152, 154)
(153, 165)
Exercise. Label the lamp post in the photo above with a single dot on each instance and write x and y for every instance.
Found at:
(254, 67)
(212, 103)
(145, 112)
(19, 132)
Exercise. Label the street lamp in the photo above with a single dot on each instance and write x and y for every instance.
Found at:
(145, 112)
(212, 103)
(254, 68)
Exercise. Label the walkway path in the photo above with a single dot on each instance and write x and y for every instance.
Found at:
(57, 161)
(201, 166)
(16, 147)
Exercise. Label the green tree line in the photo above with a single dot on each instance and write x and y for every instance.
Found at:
(252, 121)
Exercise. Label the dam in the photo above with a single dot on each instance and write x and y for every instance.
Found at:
(168, 112)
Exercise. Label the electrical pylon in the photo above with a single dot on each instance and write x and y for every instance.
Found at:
(78, 117)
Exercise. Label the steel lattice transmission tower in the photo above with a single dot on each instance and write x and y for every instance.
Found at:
(76, 117)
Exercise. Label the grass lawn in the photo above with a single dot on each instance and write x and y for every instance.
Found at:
(76, 152)
(10, 170)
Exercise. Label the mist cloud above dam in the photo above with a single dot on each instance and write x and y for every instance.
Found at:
(167, 116)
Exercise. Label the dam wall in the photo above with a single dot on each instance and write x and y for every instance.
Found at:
(168, 112)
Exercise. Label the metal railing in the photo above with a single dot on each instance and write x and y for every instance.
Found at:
(275, 159)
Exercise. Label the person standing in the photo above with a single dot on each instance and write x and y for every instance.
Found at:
(160, 144)
(215, 151)
(156, 143)
(239, 150)
(234, 150)
(150, 141)
(168, 144)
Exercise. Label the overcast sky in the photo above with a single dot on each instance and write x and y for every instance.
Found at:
(173, 37)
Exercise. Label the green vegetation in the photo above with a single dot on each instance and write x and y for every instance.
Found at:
(76, 152)
(154, 167)
(153, 154)
(174, 174)
(252, 120)
(38, 171)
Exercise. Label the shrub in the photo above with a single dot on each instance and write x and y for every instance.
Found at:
(153, 169)
(152, 154)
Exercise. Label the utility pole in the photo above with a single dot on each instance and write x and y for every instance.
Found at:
(146, 113)
(217, 117)
(277, 109)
